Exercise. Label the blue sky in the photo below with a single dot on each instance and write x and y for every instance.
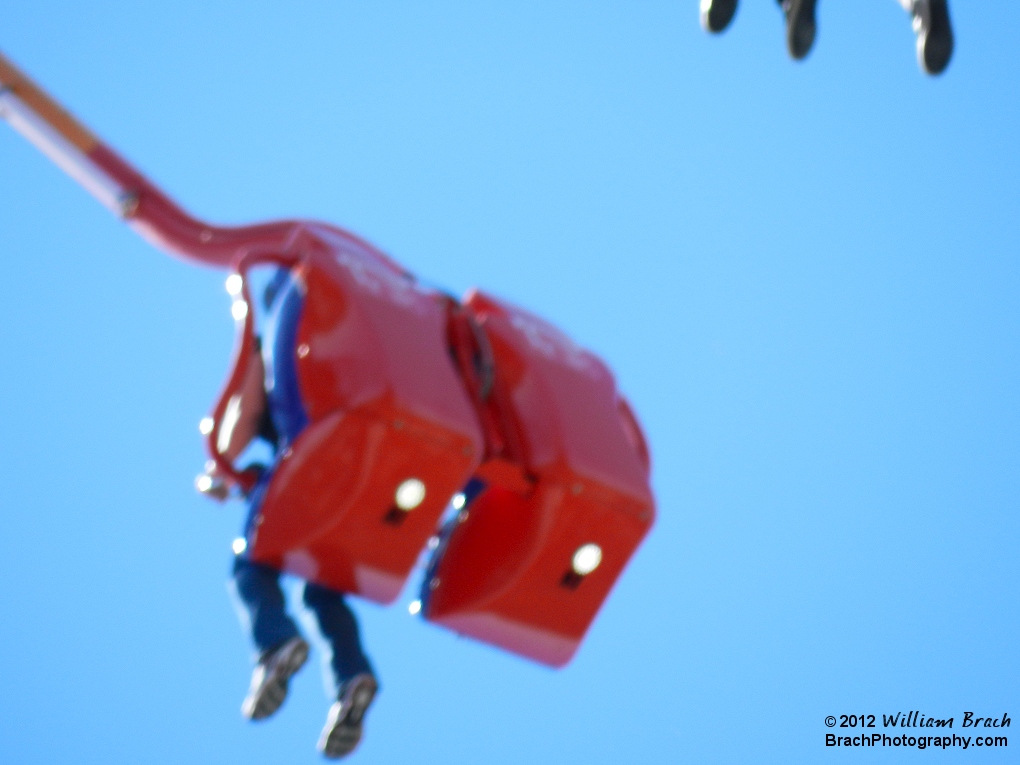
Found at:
(804, 275)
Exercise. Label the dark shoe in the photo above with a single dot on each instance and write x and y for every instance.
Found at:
(343, 724)
(716, 15)
(271, 676)
(800, 26)
(934, 34)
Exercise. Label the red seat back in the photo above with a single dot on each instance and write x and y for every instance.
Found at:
(385, 406)
(572, 472)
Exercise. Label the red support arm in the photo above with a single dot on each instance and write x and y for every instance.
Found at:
(120, 187)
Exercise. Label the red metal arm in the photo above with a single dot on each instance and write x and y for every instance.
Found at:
(120, 187)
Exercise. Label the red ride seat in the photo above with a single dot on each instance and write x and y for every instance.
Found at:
(385, 407)
(566, 498)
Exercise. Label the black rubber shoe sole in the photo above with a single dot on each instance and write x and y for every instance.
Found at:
(342, 732)
(935, 45)
(716, 15)
(800, 27)
(266, 697)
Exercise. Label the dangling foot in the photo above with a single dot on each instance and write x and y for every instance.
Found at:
(934, 34)
(800, 26)
(343, 724)
(716, 15)
(271, 676)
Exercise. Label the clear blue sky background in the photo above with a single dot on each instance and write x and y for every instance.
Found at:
(805, 275)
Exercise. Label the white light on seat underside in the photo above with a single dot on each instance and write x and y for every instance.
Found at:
(587, 559)
(410, 494)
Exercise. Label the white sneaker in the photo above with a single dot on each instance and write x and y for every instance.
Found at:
(342, 733)
(271, 676)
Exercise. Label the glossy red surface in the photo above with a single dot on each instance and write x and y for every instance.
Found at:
(564, 458)
(575, 472)
(385, 405)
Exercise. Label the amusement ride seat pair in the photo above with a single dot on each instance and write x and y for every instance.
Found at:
(403, 403)
(417, 403)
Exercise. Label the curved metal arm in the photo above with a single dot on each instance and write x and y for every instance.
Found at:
(120, 187)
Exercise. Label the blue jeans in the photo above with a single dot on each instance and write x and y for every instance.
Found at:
(258, 591)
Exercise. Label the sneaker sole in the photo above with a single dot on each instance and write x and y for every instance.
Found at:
(342, 733)
(273, 693)
(716, 15)
(801, 28)
(935, 45)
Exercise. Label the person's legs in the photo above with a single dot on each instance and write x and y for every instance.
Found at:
(256, 586)
(262, 609)
(262, 605)
(281, 650)
(340, 629)
(353, 679)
